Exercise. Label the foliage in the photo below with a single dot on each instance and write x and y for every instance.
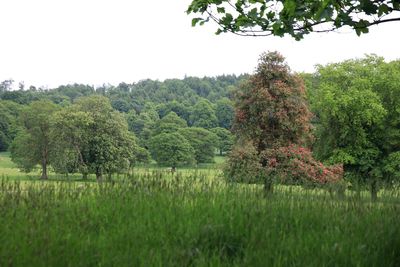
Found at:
(203, 115)
(243, 165)
(272, 121)
(182, 109)
(142, 125)
(94, 138)
(296, 18)
(8, 122)
(203, 142)
(296, 165)
(70, 132)
(357, 105)
(144, 99)
(171, 149)
(293, 165)
(225, 139)
(225, 112)
(169, 124)
(32, 145)
(271, 109)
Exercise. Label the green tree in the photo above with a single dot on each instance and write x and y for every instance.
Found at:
(296, 18)
(171, 149)
(169, 124)
(225, 139)
(203, 115)
(225, 113)
(32, 145)
(143, 124)
(71, 134)
(182, 109)
(94, 137)
(6, 85)
(8, 122)
(203, 142)
(358, 109)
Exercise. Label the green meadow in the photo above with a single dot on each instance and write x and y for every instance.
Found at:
(191, 218)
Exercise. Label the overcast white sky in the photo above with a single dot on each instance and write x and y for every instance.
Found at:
(53, 42)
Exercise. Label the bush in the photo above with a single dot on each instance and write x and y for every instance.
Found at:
(288, 165)
(243, 165)
(296, 165)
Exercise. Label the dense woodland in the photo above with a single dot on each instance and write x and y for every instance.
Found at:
(202, 107)
(345, 114)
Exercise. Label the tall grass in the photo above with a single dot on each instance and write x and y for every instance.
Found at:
(154, 219)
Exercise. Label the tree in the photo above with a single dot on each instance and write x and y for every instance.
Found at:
(224, 112)
(271, 109)
(296, 18)
(70, 132)
(171, 149)
(225, 139)
(358, 109)
(143, 124)
(182, 109)
(93, 137)
(6, 85)
(121, 105)
(32, 145)
(271, 116)
(203, 142)
(203, 115)
(169, 124)
(8, 122)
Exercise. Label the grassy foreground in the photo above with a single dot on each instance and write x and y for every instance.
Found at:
(157, 220)
(193, 218)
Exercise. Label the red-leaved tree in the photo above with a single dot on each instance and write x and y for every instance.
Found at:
(272, 122)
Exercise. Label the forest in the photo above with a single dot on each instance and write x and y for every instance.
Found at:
(222, 171)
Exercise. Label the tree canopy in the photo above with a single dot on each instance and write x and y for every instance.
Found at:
(171, 149)
(294, 17)
(273, 126)
(32, 145)
(203, 142)
(358, 109)
(99, 136)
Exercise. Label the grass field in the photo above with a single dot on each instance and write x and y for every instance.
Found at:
(189, 219)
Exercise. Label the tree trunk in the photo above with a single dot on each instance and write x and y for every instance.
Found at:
(374, 191)
(220, 152)
(44, 169)
(99, 176)
(268, 186)
(84, 176)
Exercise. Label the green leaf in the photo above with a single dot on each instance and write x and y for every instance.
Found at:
(227, 20)
(196, 20)
(290, 7)
(220, 9)
(383, 9)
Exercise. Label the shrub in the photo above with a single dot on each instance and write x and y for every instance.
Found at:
(296, 165)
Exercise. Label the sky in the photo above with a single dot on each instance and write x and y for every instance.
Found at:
(53, 42)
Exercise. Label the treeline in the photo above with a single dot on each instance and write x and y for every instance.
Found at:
(131, 96)
(351, 137)
(201, 102)
(354, 120)
(104, 130)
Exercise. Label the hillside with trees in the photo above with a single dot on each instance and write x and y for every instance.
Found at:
(299, 127)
